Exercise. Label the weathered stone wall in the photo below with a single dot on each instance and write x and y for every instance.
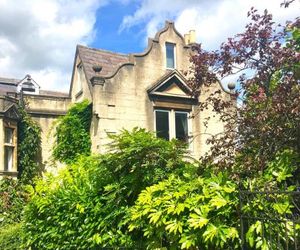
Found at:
(45, 111)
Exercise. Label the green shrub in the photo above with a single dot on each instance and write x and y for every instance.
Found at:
(11, 237)
(273, 202)
(13, 197)
(197, 213)
(73, 133)
(85, 206)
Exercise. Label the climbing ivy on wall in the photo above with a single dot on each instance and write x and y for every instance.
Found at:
(73, 133)
(29, 147)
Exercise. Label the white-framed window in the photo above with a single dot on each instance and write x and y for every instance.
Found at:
(170, 55)
(9, 148)
(170, 124)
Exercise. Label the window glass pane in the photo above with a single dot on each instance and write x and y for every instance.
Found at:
(9, 135)
(162, 124)
(181, 124)
(170, 55)
(8, 158)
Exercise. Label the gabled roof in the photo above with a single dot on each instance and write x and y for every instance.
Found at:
(109, 61)
(12, 112)
(170, 80)
(9, 81)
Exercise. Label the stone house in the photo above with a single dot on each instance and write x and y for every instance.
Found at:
(44, 107)
(147, 90)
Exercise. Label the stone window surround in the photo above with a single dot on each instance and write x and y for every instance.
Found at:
(172, 125)
(174, 54)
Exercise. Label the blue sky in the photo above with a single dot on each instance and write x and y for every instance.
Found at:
(108, 34)
(40, 37)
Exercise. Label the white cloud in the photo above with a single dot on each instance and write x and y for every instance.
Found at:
(39, 38)
(213, 21)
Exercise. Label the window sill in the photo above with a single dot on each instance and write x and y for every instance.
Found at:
(8, 173)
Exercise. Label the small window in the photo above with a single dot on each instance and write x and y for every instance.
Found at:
(162, 124)
(9, 148)
(170, 55)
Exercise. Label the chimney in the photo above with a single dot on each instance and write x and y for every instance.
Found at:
(187, 38)
(192, 36)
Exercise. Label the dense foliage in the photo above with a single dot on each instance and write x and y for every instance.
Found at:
(29, 146)
(260, 145)
(13, 198)
(267, 119)
(73, 133)
(203, 212)
(13, 193)
(198, 213)
(86, 204)
(10, 237)
(144, 194)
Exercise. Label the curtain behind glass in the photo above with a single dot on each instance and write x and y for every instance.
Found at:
(181, 124)
(162, 124)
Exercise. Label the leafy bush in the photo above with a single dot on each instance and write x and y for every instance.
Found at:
(29, 145)
(11, 237)
(73, 133)
(273, 202)
(85, 206)
(13, 197)
(198, 213)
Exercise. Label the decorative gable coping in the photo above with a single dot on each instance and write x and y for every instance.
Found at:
(97, 80)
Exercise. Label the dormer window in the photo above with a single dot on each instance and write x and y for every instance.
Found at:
(170, 55)
(28, 86)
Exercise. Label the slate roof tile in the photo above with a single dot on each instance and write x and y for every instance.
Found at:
(109, 61)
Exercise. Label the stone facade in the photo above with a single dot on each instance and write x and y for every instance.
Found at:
(126, 90)
(147, 90)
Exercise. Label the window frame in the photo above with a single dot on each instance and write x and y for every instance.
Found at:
(12, 146)
(169, 120)
(174, 54)
(172, 122)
